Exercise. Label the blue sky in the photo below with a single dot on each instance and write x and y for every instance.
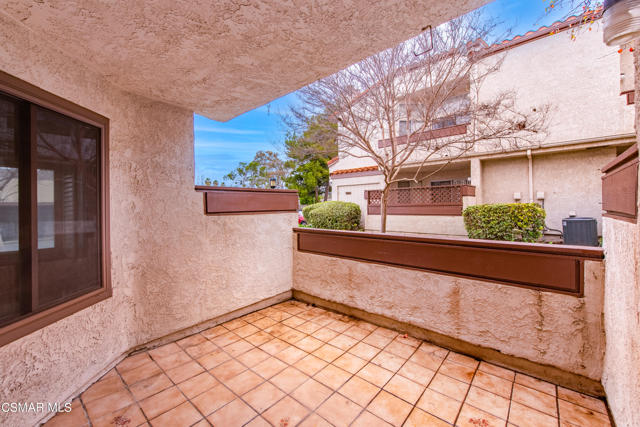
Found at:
(219, 147)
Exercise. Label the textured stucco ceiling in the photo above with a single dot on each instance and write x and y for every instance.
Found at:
(222, 58)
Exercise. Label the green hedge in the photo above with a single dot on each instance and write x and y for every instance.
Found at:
(333, 215)
(512, 221)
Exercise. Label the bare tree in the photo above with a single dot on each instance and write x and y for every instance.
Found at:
(398, 107)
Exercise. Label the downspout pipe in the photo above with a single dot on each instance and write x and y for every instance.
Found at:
(530, 157)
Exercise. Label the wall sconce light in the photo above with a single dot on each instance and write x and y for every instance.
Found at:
(621, 21)
(273, 181)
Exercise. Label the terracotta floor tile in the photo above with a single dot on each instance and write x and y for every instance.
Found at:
(543, 402)
(289, 379)
(400, 349)
(523, 416)
(367, 419)
(310, 364)
(227, 370)
(162, 402)
(359, 390)
(293, 321)
(389, 361)
(164, 350)
(427, 360)
(225, 339)
(461, 359)
(201, 349)
(579, 416)
(339, 410)
(439, 405)
(213, 399)
(107, 404)
(184, 372)
(308, 327)
(419, 418)
(459, 372)
(274, 346)
(309, 344)
(292, 336)
(494, 384)
(339, 326)
(287, 410)
(324, 320)
(256, 422)
(140, 373)
(279, 329)
(581, 400)
(172, 360)
(264, 323)
(356, 332)
(129, 416)
(234, 324)
(311, 393)
(343, 342)
(433, 349)
(269, 367)
(364, 351)
(242, 383)
(234, 414)
(404, 388)
(314, 420)
(238, 348)
(150, 386)
(474, 417)
(377, 340)
(390, 408)
(449, 387)
(246, 330)
(350, 363)
(191, 341)
(134, 361)
(214, 359)
(375, 374)
(211, 333)
(416, 373)
(253, 357)
(259, 338)
(74, 418)
(488, 402)
(197, 385)
(183, 415)
(328, 353)
(389, 333)
(333, 377)
(408, 340)
(291, 355)
(536, 384)
(252, 317)
(103, 388)
(263, 396)
(325, 334)
(111, 373)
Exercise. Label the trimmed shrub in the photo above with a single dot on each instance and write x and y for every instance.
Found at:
(333, 215)
(511, 221)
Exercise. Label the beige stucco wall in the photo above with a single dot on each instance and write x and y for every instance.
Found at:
(172, 267)
(547, 328)
(571, 181)
(621, 375)
(423, 224)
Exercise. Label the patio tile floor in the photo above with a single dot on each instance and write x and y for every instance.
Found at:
(294, 364)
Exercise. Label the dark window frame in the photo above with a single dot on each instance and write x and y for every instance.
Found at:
(38, 320)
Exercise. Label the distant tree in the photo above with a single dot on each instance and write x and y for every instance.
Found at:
(310, 143)
(256, 173)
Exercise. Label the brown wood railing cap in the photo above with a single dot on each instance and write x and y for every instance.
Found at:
(623, 158)
(541, 248)
(266, 190)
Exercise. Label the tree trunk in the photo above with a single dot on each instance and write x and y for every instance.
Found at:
(383, 209)
(317, 198)
(326, 192)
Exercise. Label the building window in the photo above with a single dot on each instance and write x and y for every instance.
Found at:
(53, 208)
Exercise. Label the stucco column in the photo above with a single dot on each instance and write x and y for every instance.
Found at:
(476, 179)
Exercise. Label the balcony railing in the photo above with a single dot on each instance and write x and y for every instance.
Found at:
(436, 200)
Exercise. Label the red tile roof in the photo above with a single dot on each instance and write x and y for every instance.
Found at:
(355, 170)
(332, 161)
